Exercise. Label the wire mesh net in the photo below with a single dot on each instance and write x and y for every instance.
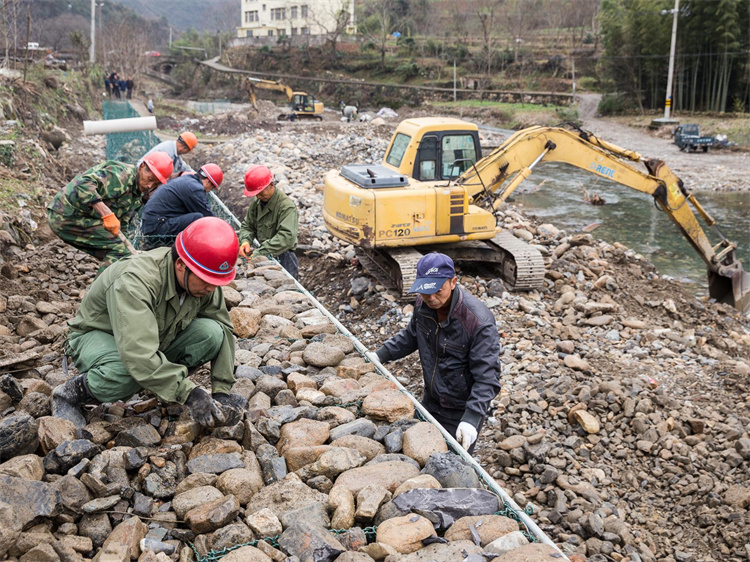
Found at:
(126, 147)
(142, 242)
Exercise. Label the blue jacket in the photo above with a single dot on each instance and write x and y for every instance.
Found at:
(460, 357)
(178, 197)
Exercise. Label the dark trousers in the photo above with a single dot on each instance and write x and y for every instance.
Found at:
(289, 261)
(450, 425)
(130, 93)
(163, 231)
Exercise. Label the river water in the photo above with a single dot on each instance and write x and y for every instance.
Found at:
(554, 193)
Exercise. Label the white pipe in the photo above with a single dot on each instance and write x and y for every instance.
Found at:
(127, 125)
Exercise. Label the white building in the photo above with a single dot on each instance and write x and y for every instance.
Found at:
(274, 18)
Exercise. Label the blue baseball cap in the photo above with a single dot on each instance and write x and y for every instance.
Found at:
(432, 271)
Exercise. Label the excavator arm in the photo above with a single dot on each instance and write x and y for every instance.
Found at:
(494, 178)
(253, 83)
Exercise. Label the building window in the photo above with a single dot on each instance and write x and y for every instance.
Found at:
(249, 33)
(247, 17)
(251, 16)
(294, 31)
(282, 32)
(294, 13)
(264, 7)
(304, 11)
(278, 14)
(270, 32)
(305, 31)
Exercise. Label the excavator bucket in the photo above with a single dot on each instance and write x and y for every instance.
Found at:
(734, 290)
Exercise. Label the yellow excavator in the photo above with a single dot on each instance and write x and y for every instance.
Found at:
(434, 191)
(301, 104)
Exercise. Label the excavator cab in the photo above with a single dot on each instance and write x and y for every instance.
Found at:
(303, 102)
(446, 155)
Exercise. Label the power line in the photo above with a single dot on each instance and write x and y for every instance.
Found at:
(689, 56)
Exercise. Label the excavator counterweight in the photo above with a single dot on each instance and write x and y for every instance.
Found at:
(435, 191)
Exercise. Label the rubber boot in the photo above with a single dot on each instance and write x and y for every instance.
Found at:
(69, 397)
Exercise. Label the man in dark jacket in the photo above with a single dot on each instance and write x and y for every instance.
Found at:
(459, 349)
(177, 204)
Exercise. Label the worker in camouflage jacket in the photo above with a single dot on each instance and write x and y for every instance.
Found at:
(89, 212)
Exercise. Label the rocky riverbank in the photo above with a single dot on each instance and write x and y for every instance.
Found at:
(623, 419)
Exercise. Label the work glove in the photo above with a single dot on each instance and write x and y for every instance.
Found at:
(203, 409)
(233, 406)
(245, 249)
(111, 223)
(466, 434)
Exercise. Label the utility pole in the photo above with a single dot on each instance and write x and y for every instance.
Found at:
(101, 35)
(92, 55)
(170, 36)
(28, 35)
(668, 101)
(454, 79)
(573, 59)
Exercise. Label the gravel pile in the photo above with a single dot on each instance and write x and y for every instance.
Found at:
(325, 444)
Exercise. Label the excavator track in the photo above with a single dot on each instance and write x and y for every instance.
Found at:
(521, 266)
(395, 268)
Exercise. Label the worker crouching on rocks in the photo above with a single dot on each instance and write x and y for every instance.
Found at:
(459, 349)
(177, 204)
(89, 212)
(149, 321)
(272, 218)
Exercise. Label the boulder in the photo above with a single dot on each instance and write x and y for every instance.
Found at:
(212, 515)
(28, 467)
(53, 431)
(246, 321)
(422, 440)
(246, 554)
(405, 534)
(241, 483)
(389, 475)
(127, 534)
(388, 404)
(310, 543)
(488, 527)
(533, 552)
(320, 354)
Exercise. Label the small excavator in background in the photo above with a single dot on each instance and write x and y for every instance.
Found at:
(301, 104)
(435, 192)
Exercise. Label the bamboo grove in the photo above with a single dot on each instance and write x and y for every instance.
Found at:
(712, 62)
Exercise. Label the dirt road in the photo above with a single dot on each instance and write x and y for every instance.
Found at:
(720, 170)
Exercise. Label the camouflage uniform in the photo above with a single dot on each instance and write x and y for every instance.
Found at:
(71, 215)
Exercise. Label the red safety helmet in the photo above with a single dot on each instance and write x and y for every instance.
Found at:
(257, 178)
(209, 248)
(160, 165)
(213, 173)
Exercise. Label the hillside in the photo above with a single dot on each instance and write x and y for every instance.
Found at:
(203, 15)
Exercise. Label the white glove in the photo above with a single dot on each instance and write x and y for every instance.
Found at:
(466, 434)
(372, 357)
